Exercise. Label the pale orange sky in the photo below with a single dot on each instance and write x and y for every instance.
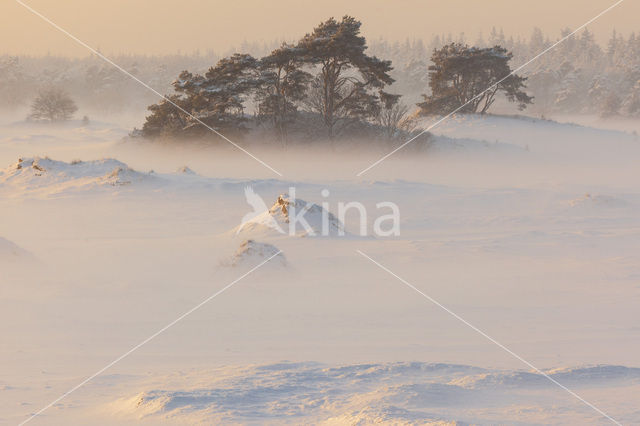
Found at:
(159, 26)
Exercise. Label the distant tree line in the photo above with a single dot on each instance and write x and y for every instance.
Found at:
(579, 76)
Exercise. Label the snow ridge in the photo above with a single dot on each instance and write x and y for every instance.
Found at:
(52, 177)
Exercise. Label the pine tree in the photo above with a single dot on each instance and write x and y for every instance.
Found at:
(464, 77)
(612, 48)
(13, 82)
(282, 83)
(537, 42)
(631, 103)
(215, 99)
(347, 80)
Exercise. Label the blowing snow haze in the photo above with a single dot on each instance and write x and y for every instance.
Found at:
(465, 245)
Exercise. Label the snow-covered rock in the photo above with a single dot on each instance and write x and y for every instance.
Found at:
(186, 170)
(279, 219)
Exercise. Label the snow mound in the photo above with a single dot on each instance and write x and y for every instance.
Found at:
(42, 174)
(11, 252)
(252, 253)
(312, 219)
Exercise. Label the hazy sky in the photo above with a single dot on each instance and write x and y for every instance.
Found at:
(160, 26)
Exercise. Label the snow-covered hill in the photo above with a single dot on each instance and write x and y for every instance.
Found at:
(529, 133)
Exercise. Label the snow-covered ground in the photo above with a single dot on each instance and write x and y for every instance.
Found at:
(528, 229)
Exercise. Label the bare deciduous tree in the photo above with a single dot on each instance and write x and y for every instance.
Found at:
(52, 105)
(394, 116)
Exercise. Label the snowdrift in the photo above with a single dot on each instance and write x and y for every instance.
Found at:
(393, 393)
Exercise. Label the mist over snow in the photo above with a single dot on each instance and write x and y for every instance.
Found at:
(120, 214)
(335, 228)
(527, 228)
